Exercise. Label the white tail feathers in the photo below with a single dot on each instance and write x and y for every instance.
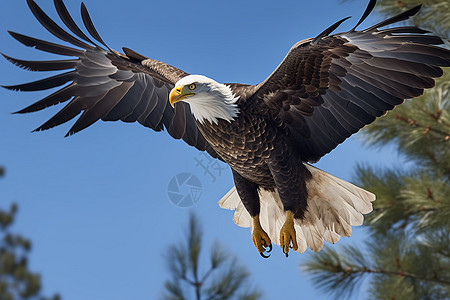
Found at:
(334, 206)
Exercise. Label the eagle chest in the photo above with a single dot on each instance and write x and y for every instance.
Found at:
(244, 143)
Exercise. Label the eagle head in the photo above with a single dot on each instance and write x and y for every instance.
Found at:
(208, 99)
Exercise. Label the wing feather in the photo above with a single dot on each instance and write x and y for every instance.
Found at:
(103, 83)
(70, 111)
(69, 22)
(45, 46)
(178, 126)
(129, 101)
(89, 25)
(101, 108)
(49, 65)
(43, 84)
(329, 87)
(53, 28)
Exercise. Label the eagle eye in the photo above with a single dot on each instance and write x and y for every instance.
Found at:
(192, 86)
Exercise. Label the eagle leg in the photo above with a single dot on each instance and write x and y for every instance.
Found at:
(248, 192)
(260, 238)
(287, 234)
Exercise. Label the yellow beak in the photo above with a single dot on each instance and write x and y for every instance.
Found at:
(177, 94)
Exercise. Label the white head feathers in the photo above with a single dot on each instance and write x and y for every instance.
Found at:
(211, 100)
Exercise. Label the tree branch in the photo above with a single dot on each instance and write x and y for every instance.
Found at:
(191, 282)
(427, 128)
(393, 273)
(207, 274)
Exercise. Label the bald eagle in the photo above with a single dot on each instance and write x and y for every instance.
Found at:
(326, 89)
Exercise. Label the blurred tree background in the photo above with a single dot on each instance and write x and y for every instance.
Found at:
(17, 282)
(407, 255)
(224, 279)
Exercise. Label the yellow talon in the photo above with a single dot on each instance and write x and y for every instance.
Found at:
(287, 234)
(260, 237)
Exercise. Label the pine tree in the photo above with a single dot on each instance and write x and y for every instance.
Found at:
(16, 281)
(225, 278)
(408, 253)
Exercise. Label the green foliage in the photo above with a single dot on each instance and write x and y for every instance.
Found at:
(16, 281)
(420, 129)
(398, 266)
(331, 270)
(407, 251)
(415, 198)
(224, 279)
(408, 268)
(431, 11)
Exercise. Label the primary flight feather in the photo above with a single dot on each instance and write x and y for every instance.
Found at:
(326, 89)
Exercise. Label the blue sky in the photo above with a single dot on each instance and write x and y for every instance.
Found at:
(96, 205)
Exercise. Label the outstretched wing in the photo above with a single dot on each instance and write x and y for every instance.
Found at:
(103, 83)
(329, 87)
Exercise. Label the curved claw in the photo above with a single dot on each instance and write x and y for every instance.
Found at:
(260, 238)
(287, 234)
(291, 246)
(270, 248)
